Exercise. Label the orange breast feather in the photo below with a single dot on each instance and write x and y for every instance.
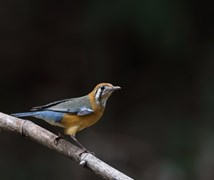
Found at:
(75, 123)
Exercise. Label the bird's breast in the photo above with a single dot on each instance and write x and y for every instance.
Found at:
(81, 122)
(74, 123)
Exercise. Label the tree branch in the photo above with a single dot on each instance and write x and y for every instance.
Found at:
(46, 138)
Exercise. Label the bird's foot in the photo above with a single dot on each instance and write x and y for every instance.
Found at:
(56, 140)
(83, 155)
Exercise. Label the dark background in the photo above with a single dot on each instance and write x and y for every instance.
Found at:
(159, 126)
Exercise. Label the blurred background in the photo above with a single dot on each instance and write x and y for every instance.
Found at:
(160, 126)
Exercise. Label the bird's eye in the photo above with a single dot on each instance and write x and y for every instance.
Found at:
(102, 88)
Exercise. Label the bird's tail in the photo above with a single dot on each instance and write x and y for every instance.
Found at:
(25, 114)
(51, 117)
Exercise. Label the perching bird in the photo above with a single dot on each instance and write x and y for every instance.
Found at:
(74, 114)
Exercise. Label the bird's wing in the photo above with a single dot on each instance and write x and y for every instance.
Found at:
(36, 108)
(80, 106)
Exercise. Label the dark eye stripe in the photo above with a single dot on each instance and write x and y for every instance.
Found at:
(102, 88)
(101, 92)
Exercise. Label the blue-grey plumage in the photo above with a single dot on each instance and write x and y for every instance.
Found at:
(75, 114)
(54, 112)
(79, 106)
(53, 118)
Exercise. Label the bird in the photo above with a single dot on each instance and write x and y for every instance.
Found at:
(74, 114)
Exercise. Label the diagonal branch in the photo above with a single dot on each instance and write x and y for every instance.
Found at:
(46, 138)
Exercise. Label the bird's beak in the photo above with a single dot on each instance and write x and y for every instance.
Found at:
(114, 88)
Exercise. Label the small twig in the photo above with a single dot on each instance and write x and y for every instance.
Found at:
(46, 138)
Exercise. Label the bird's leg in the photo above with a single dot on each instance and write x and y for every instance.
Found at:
(81, 146)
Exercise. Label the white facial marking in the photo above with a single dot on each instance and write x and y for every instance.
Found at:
(97, 95)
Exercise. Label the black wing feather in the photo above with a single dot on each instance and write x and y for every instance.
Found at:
(36, 108)
(80, 106)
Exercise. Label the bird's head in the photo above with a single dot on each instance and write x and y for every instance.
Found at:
(102, 92)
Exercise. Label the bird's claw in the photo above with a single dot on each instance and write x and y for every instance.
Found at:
(83, 161)
(83, 155)
(56, 140)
